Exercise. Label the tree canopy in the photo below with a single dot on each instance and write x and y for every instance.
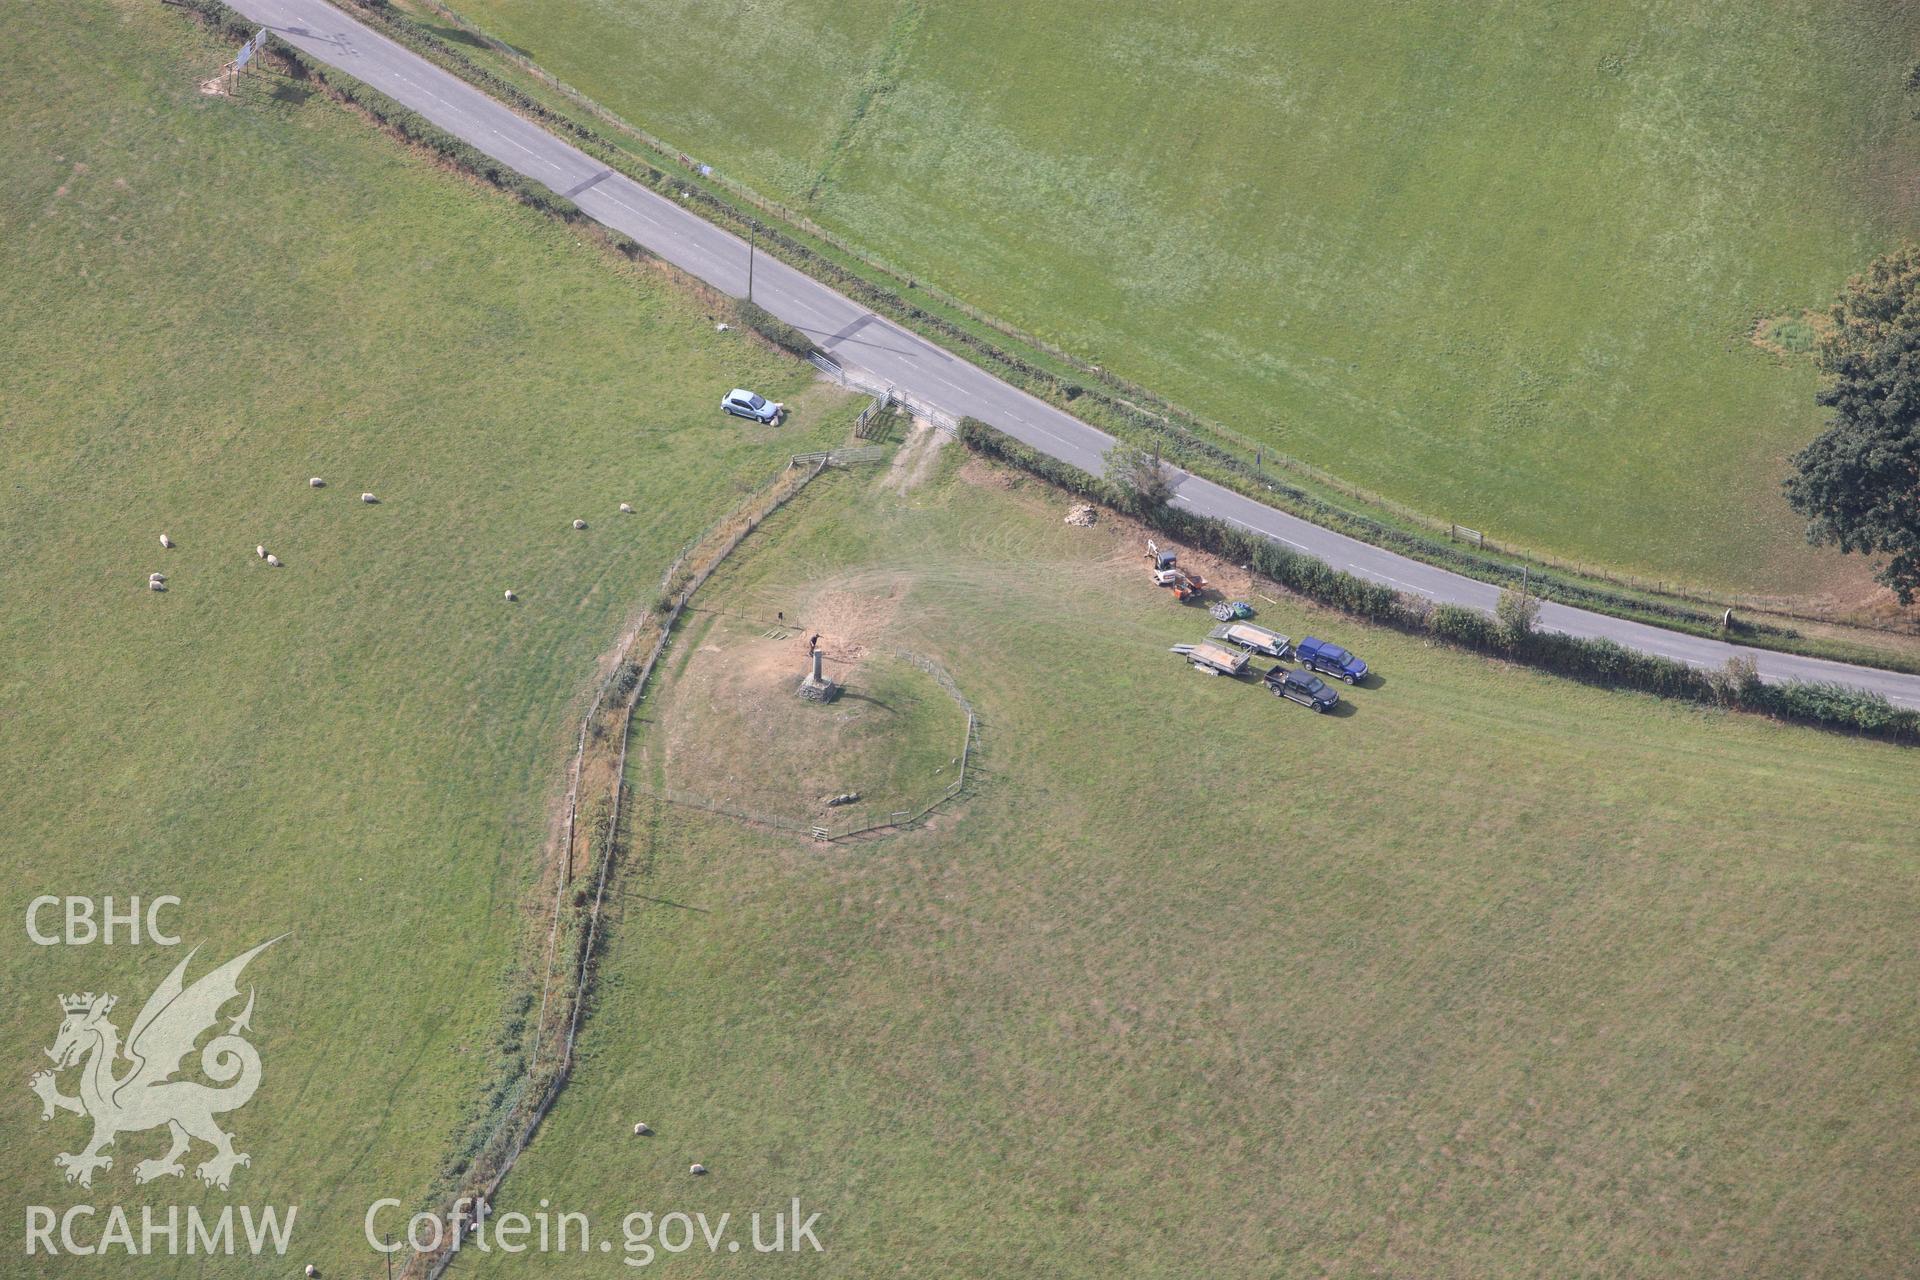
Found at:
(1858, 483)
(1141, 474)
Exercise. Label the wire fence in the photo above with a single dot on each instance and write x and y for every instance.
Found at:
(500, 1149)
(1261, 454)
(503, 1146)
(869, 820)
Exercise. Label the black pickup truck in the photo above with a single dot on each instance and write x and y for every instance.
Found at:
(1302, 687)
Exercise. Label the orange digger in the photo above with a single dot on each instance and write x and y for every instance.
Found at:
(1167, 573)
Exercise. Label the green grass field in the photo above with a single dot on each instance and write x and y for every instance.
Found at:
(1499, 263)
(1496, 974)
(206, 303)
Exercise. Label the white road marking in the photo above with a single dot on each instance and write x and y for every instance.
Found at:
(698, 245)
(1365, 572)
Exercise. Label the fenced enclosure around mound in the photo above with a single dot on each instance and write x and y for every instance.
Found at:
(865, 823)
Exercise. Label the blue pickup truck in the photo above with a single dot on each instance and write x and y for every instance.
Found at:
(1329, 660)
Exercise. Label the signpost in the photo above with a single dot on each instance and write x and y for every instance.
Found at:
(232, 70)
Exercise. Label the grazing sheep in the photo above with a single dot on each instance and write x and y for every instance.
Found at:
(697, 1169)
(626, 508)
(579, 524)
(510, 593)
(312, 1271)
(156, 576)
(642, 1129)
(260, 550)
(369, 498)
(155, 584)
(273, 560)
(165, 541)
(316, 483)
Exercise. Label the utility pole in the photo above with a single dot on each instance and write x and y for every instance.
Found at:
(753, 232)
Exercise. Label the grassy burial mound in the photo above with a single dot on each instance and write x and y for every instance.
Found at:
(208, 303)
(1497, 974)
(734, 731)
(1501, 264)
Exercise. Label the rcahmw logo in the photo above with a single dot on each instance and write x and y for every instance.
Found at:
(146, 1095)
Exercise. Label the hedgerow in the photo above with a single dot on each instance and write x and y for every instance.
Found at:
(1593, 661)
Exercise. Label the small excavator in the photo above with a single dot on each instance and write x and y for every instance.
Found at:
(1168, 573)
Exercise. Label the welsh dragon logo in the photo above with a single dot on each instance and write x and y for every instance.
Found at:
(146, 1096)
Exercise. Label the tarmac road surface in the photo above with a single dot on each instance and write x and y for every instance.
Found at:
(858, 338)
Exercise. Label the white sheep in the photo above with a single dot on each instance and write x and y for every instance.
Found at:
(156, 576)
(367, 497)
(260, 550)
(165, 541)
(626, 508)
(312, 1271)
(154, 584)
(696, 1169)
(642, 1129)
(273, 560)
(316, 483)
(579, 524)
(510, 593)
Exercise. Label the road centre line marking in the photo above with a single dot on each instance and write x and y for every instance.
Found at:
(1277, 537)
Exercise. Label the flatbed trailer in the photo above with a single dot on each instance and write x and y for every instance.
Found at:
(1256, 639)
(1215, 660)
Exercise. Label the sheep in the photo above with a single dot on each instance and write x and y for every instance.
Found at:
(155, 584)
(312, 1271)
(156, 576)
(642, 1129)
(273, 560)
(579, 524)
(696, 1169)
(510, 595)
(260, 550)
(316, 482)
(368, 498)
(165, 541)
(626, 508)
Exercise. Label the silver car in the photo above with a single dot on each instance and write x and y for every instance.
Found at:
(742, 403)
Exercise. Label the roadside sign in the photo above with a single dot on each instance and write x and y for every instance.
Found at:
(251, 47)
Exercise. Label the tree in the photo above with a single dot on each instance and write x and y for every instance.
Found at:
(1142, 473)
(1516, 612)
(1735, 684)
(1858, 483)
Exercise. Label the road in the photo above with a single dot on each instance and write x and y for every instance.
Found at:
(857, 337)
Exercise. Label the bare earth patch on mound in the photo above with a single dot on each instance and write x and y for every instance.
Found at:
(738, 735)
